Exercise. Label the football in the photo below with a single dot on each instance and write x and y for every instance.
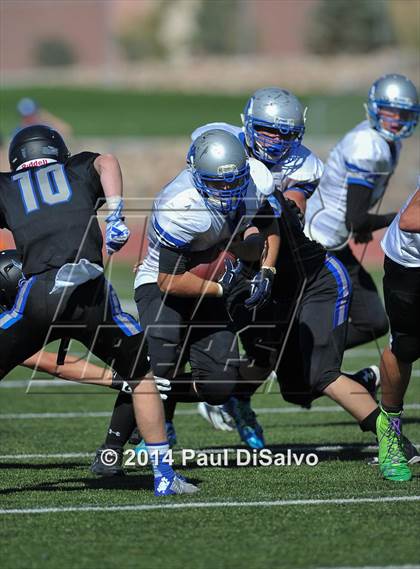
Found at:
(214, 269)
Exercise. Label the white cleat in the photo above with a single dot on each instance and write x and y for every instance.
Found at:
(217, 416)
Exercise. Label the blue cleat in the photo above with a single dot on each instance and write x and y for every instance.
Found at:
(168, 486)
(170, 433)
(249, 429)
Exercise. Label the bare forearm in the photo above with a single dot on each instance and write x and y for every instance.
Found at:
(187, 284)
(298, 198)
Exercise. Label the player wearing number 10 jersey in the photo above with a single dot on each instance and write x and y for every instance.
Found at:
(49, 201)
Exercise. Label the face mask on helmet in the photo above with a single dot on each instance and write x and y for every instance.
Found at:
(271, 142)
(393, 108)
(225, 192)
(10, 276)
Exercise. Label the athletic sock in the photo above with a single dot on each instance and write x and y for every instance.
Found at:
(397, 409)
(158, 455)
(169, 406)
(369, 422)
(122, 421)
(119, 383)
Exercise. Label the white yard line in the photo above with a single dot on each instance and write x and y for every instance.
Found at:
(258, 410)
(196, 505)
(294, 448)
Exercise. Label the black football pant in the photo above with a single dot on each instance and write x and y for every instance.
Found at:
(90, 313)
(367, 316)
(180, 332)
(197, 331)
(306, 353)
(402, 301)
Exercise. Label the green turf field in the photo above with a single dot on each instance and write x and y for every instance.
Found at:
(242, 516)
(114, 112)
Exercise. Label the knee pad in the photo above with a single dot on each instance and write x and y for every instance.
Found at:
(302, 399)
(215, 392)
(405, 348)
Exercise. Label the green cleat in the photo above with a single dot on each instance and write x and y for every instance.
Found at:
(392, 460)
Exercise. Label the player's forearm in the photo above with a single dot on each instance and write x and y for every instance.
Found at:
(74, 369)
(358, 218)
(298, 197)
(187, 284)
(272, 251)
(410, 217)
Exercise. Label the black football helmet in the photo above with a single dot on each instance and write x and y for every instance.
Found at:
(35, 142)
(10, 275)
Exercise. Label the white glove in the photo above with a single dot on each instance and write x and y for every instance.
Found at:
(163, 385)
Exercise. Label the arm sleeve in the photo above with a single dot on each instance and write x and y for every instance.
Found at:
(357, 217)
(172, 261)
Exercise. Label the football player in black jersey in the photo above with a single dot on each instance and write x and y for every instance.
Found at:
(49, 202)
(70, 368)
(301, 333)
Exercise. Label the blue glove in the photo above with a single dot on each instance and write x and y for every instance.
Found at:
(233, 283)
(261, 286)
(117, 233)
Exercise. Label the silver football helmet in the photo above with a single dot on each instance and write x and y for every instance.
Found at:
(274, 122)
(220, 169)
(393, 93)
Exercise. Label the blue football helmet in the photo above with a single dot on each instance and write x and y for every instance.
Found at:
(393, 92)
(274, 122)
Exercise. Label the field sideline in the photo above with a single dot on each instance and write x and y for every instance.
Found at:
(339, 513)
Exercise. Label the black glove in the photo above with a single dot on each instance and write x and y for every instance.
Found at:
(296, 209)
(233, 283)
(261, 286)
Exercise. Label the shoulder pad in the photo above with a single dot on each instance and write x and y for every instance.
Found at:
(261, 176)
(365, 151)
(179, 213)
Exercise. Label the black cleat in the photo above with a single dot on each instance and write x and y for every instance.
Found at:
(135, 437)
(108, 461)
(370, 378)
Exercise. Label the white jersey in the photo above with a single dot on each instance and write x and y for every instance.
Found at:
(401, 246)
(300, 170)
(362, 157)
(180, 218)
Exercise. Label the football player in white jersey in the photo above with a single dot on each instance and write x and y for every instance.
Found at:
(197, 214)
(401, 245)
(355, 178)
(273, 130)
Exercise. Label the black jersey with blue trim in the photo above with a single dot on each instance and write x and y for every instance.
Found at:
(299, 258)
(51, 212)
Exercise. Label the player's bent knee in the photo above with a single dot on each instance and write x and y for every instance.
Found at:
(406, 348)
(215, 392)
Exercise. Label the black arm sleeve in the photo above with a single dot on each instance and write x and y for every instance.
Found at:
(172, 261)
(358, 219)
